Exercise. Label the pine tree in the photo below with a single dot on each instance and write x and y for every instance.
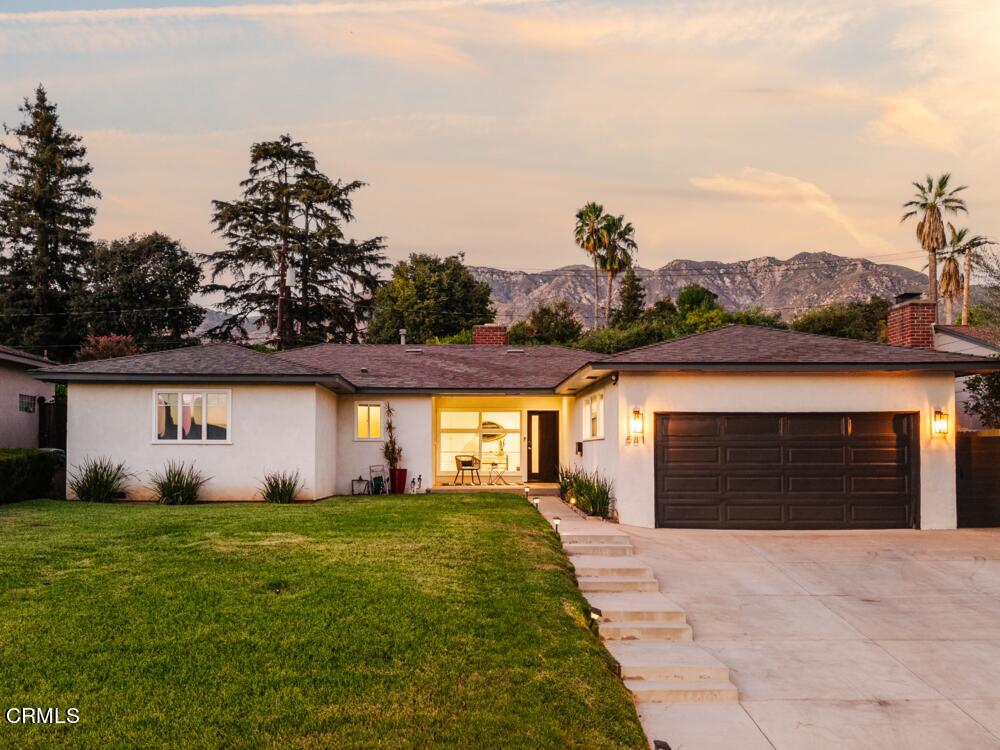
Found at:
(46, 214)
(287, 255)
(631, 298)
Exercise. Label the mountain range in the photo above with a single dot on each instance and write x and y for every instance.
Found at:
(788, 287)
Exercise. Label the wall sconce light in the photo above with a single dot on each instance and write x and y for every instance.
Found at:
(939, 425)
(636, 428)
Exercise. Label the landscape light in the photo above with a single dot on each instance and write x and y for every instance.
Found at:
(940, 423)
(536, 500)
(556, 521)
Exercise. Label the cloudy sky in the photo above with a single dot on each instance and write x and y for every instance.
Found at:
(722, 129)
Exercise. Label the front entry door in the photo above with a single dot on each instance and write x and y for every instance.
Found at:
(543, 446)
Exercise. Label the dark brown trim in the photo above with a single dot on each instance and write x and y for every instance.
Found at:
(333, 382)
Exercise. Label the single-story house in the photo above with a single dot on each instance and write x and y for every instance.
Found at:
(739, 427)
(978, 340)
(19, 394)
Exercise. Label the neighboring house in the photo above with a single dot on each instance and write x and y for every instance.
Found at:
(978, 340)
(19, 394)
(740, 427)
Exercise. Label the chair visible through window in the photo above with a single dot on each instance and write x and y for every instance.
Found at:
(467, 464)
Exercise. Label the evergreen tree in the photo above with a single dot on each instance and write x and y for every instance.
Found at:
(287, 256)
(631, 299)
(46, 213)
(429, 297)
(141, 287)
(548, 323)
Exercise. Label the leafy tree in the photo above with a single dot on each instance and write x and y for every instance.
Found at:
(616, 256)
(984, 398)
(852, 320)
(631, 300)
(662, 311)
(551, 323)
(932, 199)
(46, 214)
(429, 297)
(106, 347)
(141, 287)
(591, 234)
(694, 297)
(612, 340)
(288, 222)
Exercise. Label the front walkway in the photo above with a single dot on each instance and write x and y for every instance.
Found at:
(860, 640)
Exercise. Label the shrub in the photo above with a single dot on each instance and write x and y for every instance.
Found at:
(280, 487)
(99, 480)
(27, 473)
(178, 483)
(593, 491)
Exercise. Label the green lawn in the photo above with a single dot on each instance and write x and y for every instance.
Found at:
(427, 621)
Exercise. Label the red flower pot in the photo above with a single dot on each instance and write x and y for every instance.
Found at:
(397, 477)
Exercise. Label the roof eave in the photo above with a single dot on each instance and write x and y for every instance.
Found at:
(333, 382)
(29, 361)
(968, 337)
(959, 367)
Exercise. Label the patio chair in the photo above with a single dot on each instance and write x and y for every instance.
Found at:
(379, 480)
(468, 464)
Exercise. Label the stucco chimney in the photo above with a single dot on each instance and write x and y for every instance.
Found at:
(491, 334)
(911, 322)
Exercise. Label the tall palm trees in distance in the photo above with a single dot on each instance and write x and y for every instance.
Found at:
(933, 199)
(610, 242)
(592, 235)
(617, 256)
(961, 245)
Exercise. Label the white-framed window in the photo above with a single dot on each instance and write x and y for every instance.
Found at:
(192, 416)
(368, 421)
(494, 437)
(593, 417)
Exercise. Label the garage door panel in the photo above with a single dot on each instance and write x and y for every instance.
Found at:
(785, 470)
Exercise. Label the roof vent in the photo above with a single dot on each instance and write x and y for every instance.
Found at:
(364, 369)
(414, 351)
(515, 351)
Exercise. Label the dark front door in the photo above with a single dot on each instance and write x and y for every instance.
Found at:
(543, 446)
(786, 471)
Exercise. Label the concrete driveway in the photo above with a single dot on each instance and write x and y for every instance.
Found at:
(888, 640)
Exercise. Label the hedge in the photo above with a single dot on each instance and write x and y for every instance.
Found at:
(27, 473)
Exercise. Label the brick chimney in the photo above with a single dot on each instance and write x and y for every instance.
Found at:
(490, 334)
(911, 322)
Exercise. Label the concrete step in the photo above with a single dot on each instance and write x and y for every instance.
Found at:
(616, 583)
(647, 606)
(604, 550)
(666, 661)
(645, 631)
(702, 726)
(657, 691)
(569, 536)
(600, 566)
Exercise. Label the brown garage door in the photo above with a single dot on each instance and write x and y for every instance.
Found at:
(794, 471)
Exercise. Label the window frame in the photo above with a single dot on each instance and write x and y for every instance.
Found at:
(588, 417)
(204, 393)
(381, 421)
(521, 432)
(26, 399)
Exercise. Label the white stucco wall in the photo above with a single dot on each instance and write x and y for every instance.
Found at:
(632, 466)
(326, 442)
(19, 429)
(274, 428)
(412, 418)
(599, 454)
(947, 343)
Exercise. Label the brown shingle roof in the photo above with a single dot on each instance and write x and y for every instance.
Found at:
(209, 360)
(450, 367)
(985, 334)
(757, 345)
(10, 354)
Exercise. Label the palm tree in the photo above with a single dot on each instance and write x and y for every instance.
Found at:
(931, 200)
(951, 286)
(961, 244)
(617, 255)
(592, 235)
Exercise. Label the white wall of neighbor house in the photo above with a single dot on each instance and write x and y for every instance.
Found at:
(19, 429)
(413, 420)
(632, 465)
(272, 428)
(947, 343)
(326, 442)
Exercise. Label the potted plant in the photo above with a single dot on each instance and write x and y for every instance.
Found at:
(393, 452)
